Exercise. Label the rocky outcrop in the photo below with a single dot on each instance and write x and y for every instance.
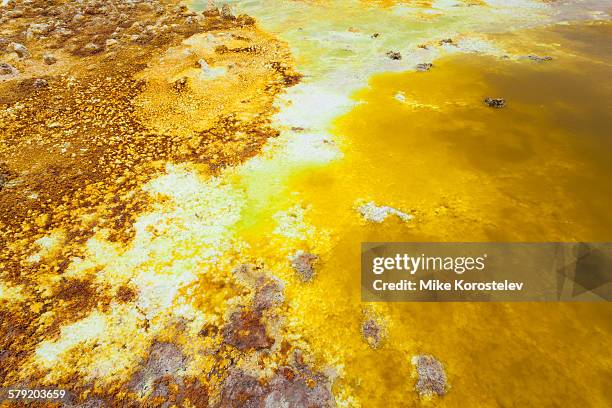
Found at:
(7, 70)
(431, 378)
(372, 331)
(20, 50)
(495, 102)
(538, 58)
(394, 55)
(291, 386)
(303, 263)
(424, 67)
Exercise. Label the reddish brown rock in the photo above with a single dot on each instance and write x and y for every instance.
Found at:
(246, 331)
(290, 387)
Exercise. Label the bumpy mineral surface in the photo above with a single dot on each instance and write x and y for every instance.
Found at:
(91, 110)
(431, 378)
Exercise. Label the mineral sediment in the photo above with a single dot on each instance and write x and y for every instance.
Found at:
(290, 386)
(304, 264)
(372, 331)
(431, 378)
(86, 102)
(377, 214)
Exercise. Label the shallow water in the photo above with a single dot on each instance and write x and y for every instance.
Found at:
(536, 170)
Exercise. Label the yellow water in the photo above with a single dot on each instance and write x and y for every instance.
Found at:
(537, 170)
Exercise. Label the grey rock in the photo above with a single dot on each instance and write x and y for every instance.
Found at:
(538, 58)
(495, 102)
(40, 83)
(38, 30)
(372, 332)
(89, 403)
(7, 69)
(394, 55)
(165, 359)
(20, 50)
(241, 390)
(424, 67)
(49, 59)
(290, 387)
(92, 48)
(304, 264)
(431, 376)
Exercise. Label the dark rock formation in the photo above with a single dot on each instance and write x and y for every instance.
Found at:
(495, 102)
(538, 58)
(394, 55)
(424, 67)
(226, 12)
(40, 83)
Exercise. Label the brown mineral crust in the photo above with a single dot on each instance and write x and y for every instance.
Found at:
(164, 360)
(289, 76)
(194, 392)
(18, 336)
(246, 331)
(76, 149)
(125, 294)
(289, 387)
(74, 299)
(230, 141)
